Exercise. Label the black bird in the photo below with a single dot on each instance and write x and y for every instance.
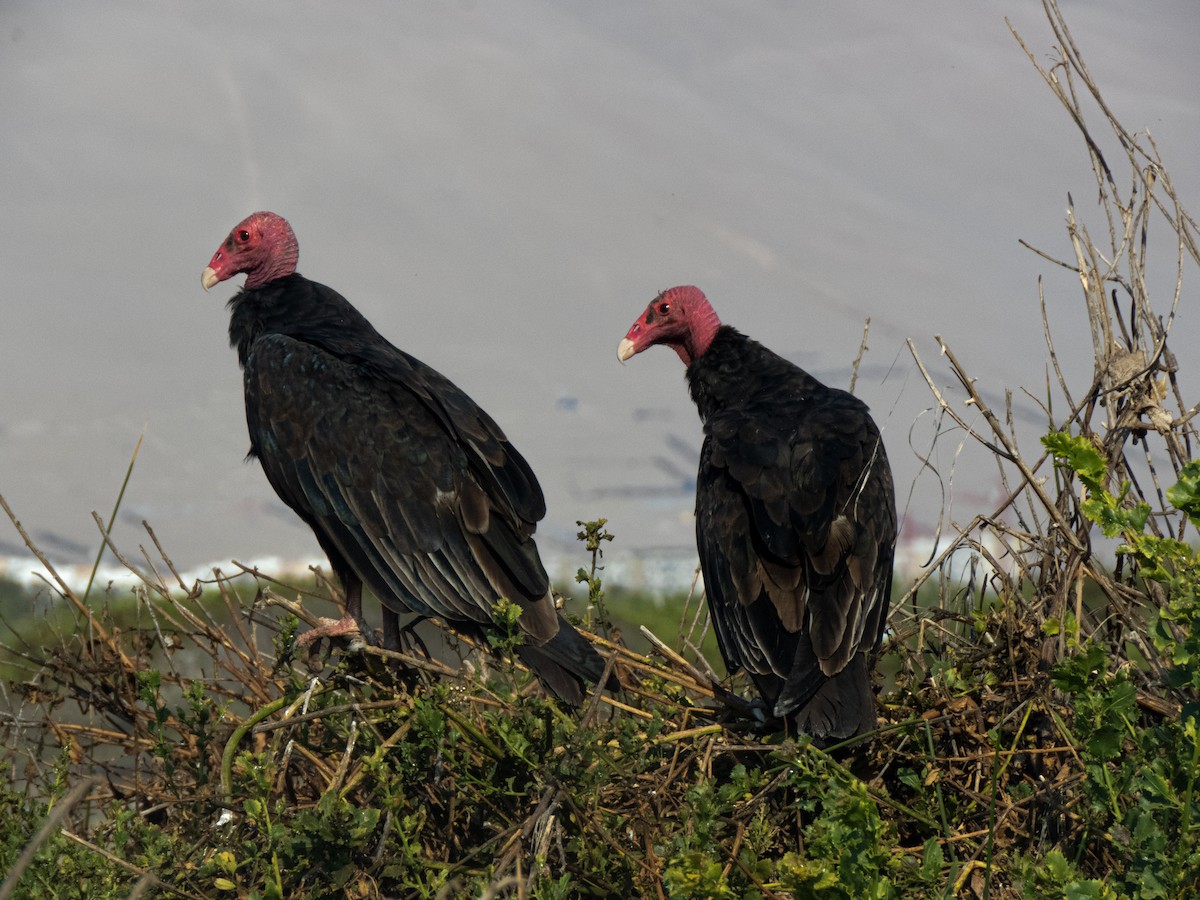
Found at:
(795, 518)
(410, 487)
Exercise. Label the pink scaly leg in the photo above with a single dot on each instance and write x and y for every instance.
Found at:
(347, 626)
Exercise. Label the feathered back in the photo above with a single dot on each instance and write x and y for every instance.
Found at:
(796, 529)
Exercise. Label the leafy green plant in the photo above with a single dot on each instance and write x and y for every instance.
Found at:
(1170, 563)
(849, 847)
(1055, 877)
(594, 535)
(1141, 779)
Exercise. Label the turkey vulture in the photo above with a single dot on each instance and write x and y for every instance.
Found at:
(795, 518)
(410, 487)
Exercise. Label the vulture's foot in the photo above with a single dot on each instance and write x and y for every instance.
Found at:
(345, 627)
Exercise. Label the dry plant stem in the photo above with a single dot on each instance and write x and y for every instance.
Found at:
(1058, 373)
(194, 591)
(731, 700)
(360, 770)
(545, 809)
(626, 708)
(593, 706)
(255, 573)
(87, 591)
(232, 613)
(33, 548)
(1151, 182)
(688, 734)
(93, 623)
(1073, 63)
(328, 712)
(120, 557)
(1009, 451)
(862, 349)
(637, 662)
(343, 767)
(689, 640)
(226, 655)
(662, 647)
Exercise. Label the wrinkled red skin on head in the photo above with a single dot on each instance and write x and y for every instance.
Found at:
(262, 245)
(679, 317)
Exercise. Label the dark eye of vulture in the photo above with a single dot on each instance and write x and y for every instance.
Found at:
(795, 518)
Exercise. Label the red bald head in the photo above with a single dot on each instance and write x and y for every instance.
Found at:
(262, 245)
(681, 318)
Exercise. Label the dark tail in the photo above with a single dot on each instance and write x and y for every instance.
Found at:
(842, 707)
(565, 662)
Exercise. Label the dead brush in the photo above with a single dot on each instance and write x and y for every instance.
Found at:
(179, 719)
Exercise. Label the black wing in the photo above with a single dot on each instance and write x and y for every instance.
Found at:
(401, 474)
(796, 528)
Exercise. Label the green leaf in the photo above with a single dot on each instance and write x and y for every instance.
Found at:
(1085, 890)
(1185, 493)
(226, 861)
(1077, 673)
(1138, 515)
(935, 859)
(1079, 454)
(1057, 866)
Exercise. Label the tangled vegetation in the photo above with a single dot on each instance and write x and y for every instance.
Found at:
(1038, 736)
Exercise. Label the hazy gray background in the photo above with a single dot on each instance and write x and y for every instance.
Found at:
(501, 188)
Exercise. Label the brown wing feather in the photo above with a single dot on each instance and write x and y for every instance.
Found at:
(369, 465)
